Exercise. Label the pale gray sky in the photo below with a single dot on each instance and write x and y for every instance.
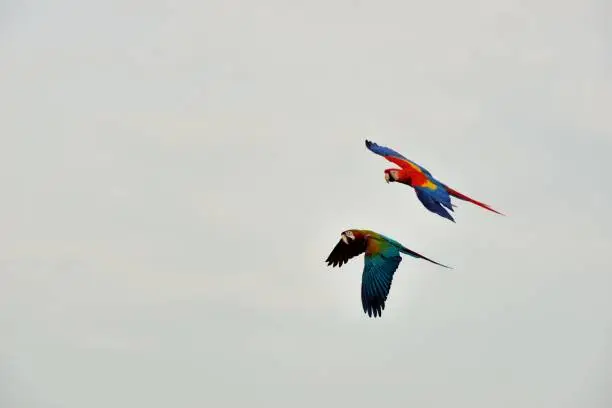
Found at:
(175, 173)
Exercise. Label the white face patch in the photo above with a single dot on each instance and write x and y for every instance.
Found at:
(347, 235)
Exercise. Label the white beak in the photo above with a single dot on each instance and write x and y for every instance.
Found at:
(387, 177)
(345, 239)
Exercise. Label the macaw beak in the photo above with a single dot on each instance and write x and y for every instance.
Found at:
(345, 239)
(387, 177)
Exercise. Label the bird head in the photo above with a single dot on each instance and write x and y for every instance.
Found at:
(347, 236)
(391, 175)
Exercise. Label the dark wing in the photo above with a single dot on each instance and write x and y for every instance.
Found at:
(342, 252)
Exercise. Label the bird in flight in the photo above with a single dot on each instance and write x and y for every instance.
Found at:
(432, 193)
(382, 257)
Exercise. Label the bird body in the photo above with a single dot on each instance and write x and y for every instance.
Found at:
(381, 260)
(432, 193)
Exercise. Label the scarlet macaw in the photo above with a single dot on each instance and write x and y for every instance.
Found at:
(433, 194)
(382, 257)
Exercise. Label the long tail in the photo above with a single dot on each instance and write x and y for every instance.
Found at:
(460, 196)
(410, 252)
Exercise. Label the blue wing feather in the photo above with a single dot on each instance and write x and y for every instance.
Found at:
(378, 270)
(385, 151)
(434, 201)
(377, 278)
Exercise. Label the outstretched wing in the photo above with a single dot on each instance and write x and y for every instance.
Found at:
(342, 252)
(381, 262)
(395, 157)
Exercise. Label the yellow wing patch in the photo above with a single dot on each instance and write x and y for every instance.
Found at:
(428, 184)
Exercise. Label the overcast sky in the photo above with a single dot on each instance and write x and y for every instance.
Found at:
(174, 174)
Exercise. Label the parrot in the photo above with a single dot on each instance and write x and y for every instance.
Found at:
(381, 259)
(432, 193)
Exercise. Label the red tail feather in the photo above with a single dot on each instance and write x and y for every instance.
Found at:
(460, 196)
